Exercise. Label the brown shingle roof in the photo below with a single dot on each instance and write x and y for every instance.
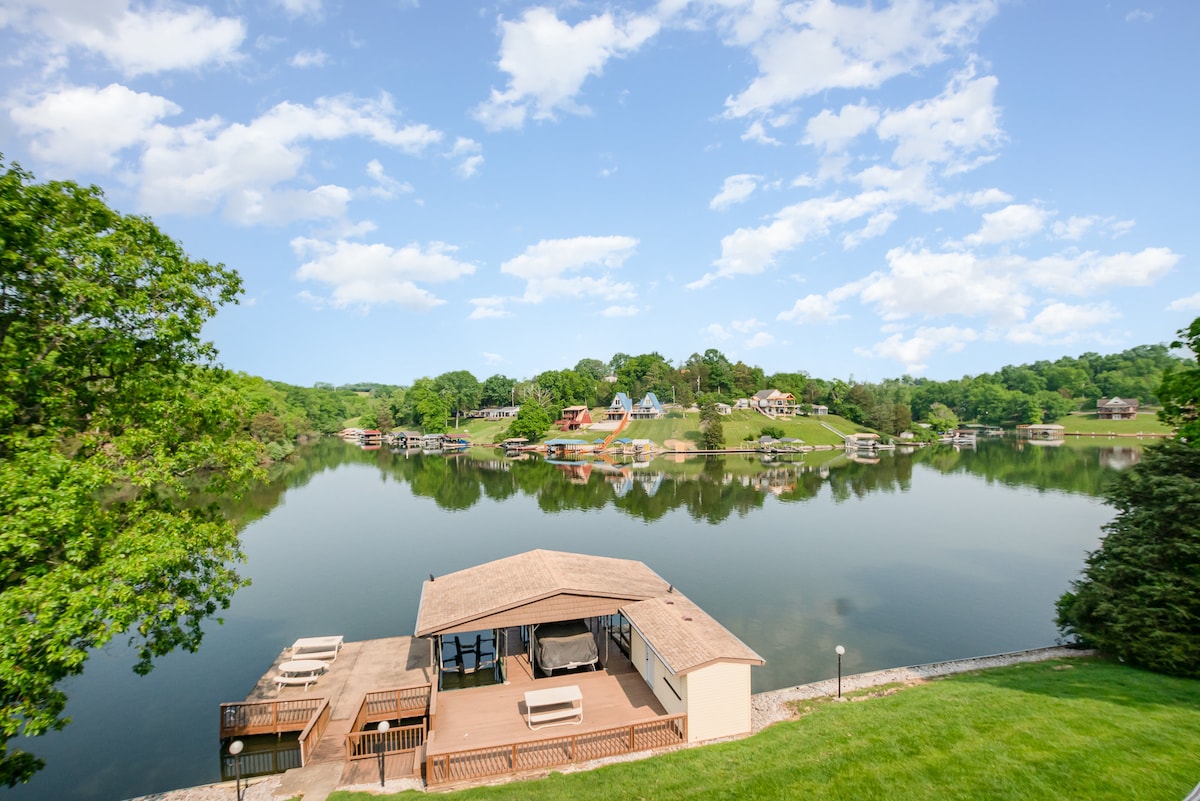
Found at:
(684, 635)
(484, 590)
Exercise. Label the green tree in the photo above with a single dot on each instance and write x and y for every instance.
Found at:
(712, 430)
(1139, 598)
(1180, 390)
(461, 392)
(109, 416)
(531, 422)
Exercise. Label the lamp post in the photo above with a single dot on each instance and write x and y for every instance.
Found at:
(235, 751)
(840, 650)
(381, 747)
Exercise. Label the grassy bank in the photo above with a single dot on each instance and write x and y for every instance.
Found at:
(1087, 423)
(1079, 728)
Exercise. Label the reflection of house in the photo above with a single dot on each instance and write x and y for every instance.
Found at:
(1048, 432)
(574, 418)
(1116, 409)
(371, 437)
(620, 408)
(648, 408)
(774, 402)
(1120, 458)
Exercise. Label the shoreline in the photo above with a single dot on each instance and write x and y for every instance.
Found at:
(766, 709)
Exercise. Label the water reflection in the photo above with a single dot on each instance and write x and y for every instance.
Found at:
(924, 556)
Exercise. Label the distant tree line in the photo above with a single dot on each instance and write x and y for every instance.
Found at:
(1030, 393)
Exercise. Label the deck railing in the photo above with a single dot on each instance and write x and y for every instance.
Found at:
(499, 760)
(366, 744)
(310, 735)
(246, 718)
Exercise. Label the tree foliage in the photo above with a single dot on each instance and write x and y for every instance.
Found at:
(1180, 391)
(108, 418)
(1139, 598)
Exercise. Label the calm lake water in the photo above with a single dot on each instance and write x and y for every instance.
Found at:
(933, 555)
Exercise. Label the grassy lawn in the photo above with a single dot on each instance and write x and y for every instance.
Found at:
(740, 426)
(1078, 729)
(1086, 423)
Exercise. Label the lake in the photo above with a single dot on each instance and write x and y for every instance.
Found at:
(932, 555)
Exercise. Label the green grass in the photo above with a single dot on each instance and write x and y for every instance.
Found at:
(1086, 423)
(739, 427)
(1078, 728)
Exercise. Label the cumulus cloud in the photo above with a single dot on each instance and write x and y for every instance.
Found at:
(805, 49)
(559, 268)
(1190, 303)
(366, 275)
(933, 284)
(1091, 272)
(1014, 222)
(812, 310)
(760, 340)
(386, 186)
(300, 8)
(736, 189)
(141, 41)
(914, 351)
(831, 131)
(488, 308)
(1063, 323)
(469, 155)
(948, 129)
(310, 58)
(548, 60)
(86, 128)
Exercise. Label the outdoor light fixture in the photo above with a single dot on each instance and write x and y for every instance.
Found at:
(380, 747)
(235, 751)
(840, 650)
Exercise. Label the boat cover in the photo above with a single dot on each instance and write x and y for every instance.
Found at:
(564, 645)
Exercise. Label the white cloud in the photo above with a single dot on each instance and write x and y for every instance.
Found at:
(935, 284)
(1190, 303)
(621, 311)
(988, 197)
(310, 58)
(155, 40)
(196, 168)
(760, 340)
(831, 131)
(812, 310)
(1013, 222)
(805, 49)
(1090, 272)
(1139, 15)
(548, 60)
(1062, 323)
(914, 352)
(736, 189)
(488, 309)
(387, 186)
(877, 225)
(365, 275)
(493, 358)
(757, 132)
(555, 267)
(300, 8)
(948, 128)
(469, 154)
(85, 128)
(1073, 228)
(717, 331)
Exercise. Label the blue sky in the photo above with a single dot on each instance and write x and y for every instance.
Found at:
(849, 189)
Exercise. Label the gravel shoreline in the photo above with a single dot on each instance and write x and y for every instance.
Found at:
(766, 708)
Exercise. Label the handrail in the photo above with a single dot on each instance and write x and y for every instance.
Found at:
(245, 718)
(311, 734)
(499, 760)
(365, 744)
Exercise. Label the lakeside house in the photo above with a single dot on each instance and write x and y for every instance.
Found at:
(602, 646)
(774, 403)
(574, 418)
(620, 408)
(1116, 409)
(648, 408)
(497, 412)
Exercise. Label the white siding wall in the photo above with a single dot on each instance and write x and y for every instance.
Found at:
(662, 679)
(718, 701)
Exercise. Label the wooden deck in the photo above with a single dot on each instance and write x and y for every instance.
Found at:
(469, 726)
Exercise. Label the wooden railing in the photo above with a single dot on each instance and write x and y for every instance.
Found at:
(499, 760)
(310, 735)
(267, 717)
(366, 744)
(405, 702)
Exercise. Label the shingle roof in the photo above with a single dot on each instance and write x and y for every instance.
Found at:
(684, 635)
(485, 589)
